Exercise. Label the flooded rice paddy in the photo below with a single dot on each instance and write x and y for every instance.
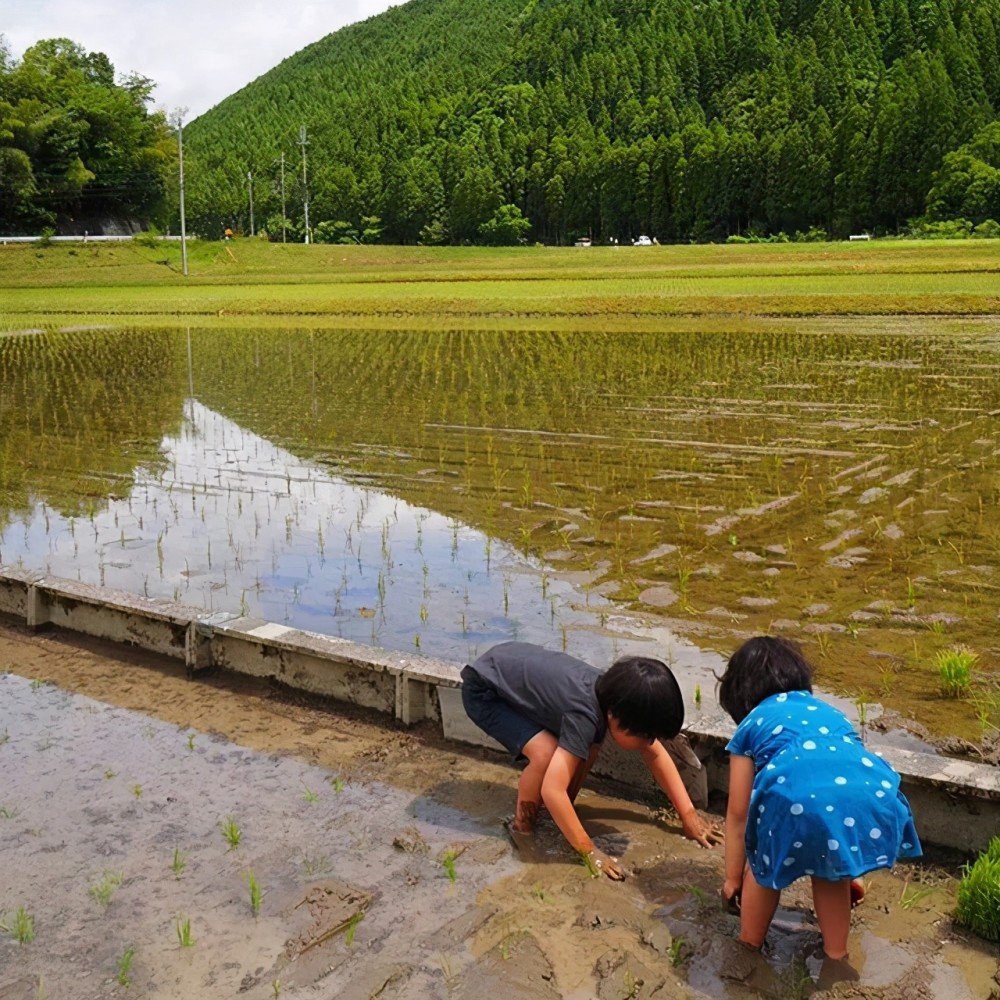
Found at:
(835, 480)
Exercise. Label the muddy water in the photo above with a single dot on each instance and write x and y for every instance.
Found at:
(834, 480)
(340, 816)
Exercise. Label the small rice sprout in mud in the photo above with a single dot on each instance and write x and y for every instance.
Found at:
(4, 738)
(137, 791)
(423, 612)
(861, 704)
(256, 893)
(587, 861)
(37, 683)
(909, 897)
(309, 795)
(448, 862)
(276, 988)
(352, 927)
(103, 891)
(184, 935)
(954, 667)
(337, 783)
(109, 774)
(190, 743)
(676, 951)
(231, 832)
(697, 695)
(979, 894)
(416, 641)
(22, 927)
(123, 976)
(8, 812)
(540, 894)
(179, 862)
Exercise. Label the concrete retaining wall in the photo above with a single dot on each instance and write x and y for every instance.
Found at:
(956, 803)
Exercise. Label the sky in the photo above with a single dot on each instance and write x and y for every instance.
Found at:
(196, 51)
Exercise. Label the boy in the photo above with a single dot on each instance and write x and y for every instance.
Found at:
(554, 710)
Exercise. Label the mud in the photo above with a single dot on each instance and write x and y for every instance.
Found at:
(347, 824)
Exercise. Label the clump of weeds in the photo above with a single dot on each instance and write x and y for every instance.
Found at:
(954, 667)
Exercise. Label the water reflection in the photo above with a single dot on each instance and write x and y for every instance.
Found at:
(231, 521)
(836, 483)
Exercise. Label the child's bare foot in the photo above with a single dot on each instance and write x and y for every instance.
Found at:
(857, 892)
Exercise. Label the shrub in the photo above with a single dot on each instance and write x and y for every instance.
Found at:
(979, 894)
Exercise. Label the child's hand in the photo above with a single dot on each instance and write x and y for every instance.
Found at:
(705, 834)
(732, 894)
(600, 863)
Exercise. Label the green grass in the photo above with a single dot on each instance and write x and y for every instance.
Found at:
(366, 284)
(979, 894)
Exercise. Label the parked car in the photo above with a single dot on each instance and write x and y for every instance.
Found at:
(642, 241)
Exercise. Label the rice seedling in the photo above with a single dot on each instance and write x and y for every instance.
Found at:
(448, 862)
(184, 935)
(540, 894)
(979, 894)
(190, 741)
(587, 861)
(231, 833)
(37, 683)
(276, 988)
(124, 968)
(8, 812)
(137, 791)
(256, 895)
(697, 695)
(309, 795)
(22, 928)
(337, 782)
(676, 951)
(910, 897)
(179, 862)
(102, 891)
(109, 774)
(352, 926)
(4, 738)
(954, 668)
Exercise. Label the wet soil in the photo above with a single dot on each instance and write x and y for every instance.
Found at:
(381, 857)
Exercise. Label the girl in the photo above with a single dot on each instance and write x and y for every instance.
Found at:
(805, 797)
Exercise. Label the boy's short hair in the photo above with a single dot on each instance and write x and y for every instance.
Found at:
(644, 697)
(762, 666)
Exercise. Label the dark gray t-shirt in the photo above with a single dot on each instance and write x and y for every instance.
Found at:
(554, 690)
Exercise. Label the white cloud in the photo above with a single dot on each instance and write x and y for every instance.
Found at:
(196, 51)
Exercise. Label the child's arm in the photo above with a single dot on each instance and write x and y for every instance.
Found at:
(666, 775)
(741, 775)
(559, 778)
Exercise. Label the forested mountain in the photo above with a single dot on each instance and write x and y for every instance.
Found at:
(78, 149)
(447, 120)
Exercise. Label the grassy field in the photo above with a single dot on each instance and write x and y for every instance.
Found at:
(362, 285)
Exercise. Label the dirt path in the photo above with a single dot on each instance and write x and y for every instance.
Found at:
(346, 822)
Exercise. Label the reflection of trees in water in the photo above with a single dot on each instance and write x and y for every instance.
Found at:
(745, 452)
(81, 410)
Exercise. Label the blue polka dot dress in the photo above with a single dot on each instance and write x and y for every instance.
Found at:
(821, 804)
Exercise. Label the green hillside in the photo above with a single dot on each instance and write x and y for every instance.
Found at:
(490, 120)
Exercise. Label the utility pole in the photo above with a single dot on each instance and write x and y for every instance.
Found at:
(303, 142)
(250, 186)
(282, 197)
(178, 120)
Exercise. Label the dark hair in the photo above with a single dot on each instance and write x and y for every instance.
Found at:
(762, 666)
(643, 696)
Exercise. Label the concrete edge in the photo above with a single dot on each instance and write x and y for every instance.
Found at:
(956, 802)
